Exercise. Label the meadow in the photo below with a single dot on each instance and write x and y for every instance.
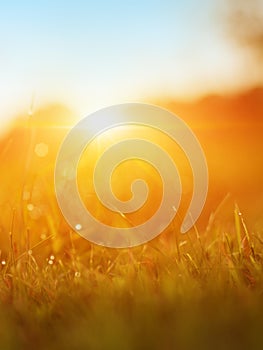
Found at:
(203, 289)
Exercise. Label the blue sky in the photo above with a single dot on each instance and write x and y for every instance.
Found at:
(90, 54)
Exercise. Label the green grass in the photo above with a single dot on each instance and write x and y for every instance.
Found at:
(203, 290)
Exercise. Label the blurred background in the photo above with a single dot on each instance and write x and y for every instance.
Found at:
(91, 54)
(62, 60)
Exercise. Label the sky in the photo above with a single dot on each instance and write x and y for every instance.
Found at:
(91, 54)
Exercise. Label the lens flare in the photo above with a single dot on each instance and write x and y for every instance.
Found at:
(109, 118)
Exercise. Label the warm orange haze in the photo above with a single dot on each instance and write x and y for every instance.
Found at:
(59, 291)
(229, 129)
(201, 61)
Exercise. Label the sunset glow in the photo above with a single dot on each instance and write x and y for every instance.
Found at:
(131, 175)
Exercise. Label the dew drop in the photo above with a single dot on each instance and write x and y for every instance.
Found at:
(43, 236)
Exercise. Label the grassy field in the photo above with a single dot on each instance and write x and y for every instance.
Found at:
(203, 291)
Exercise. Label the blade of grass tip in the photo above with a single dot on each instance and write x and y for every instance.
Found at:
(193, 262)
(153, 246)
(176, 238)
(112, 264)
(189, 238)
(72, 249)
(214, 214)
(229, 246)
(123, 216)
(34, 268)
(237, 215)
(176, 242)
(232, 268)
(198, 237)
(178, 248)
(35, 246)
(192, 245)
(248, 239)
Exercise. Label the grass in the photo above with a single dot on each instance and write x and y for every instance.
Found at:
(201, 290)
